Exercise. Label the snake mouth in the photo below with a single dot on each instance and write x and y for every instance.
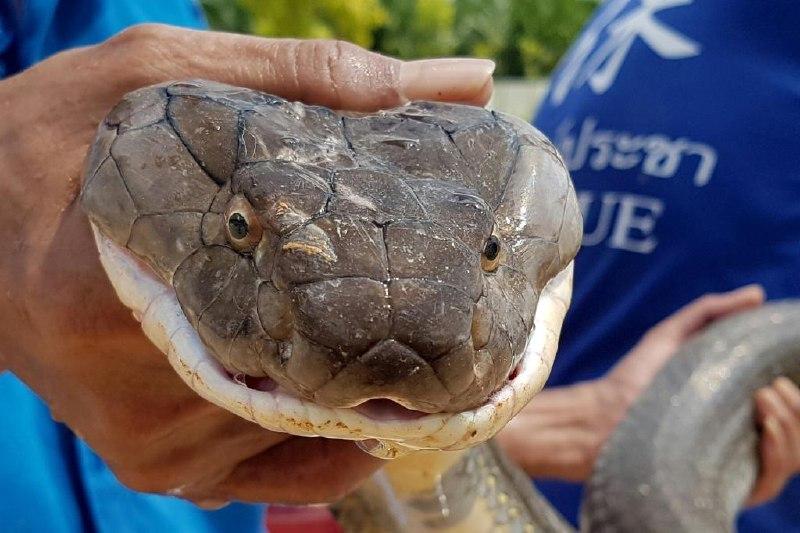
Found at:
(262, 401)
(375, 408)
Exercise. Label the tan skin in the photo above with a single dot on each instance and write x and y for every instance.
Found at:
(63, 331)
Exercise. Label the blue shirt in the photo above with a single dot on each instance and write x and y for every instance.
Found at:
(679, 121)
(49, 479)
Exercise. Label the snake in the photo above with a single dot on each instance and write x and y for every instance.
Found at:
(400, 279)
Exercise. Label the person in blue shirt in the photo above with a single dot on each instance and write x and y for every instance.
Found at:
(678, 120)
(135, 446)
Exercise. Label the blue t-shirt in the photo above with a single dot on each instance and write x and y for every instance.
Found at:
(49, 479)
(679, 121)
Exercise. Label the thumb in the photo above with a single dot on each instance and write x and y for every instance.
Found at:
(711, 307)
(336, 74)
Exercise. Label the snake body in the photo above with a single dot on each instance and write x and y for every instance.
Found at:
(399, 277)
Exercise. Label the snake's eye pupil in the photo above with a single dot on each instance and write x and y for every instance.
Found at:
(492, 248)
(238, 226)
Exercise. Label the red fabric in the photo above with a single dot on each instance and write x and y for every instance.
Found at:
(301, 520)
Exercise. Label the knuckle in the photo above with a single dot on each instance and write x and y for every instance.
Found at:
(333, 49)
(332, 492)
(138, 35)
(140, 479)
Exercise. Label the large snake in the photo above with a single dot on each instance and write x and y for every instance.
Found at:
(398, 278)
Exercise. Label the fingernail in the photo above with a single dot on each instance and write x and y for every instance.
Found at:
(451, 79)
(213, 505)
(753, 287)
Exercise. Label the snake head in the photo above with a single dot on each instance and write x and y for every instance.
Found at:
(344, 258)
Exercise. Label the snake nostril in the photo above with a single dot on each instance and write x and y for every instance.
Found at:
(259, 383)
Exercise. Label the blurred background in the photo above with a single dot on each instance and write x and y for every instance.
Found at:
(526, 38)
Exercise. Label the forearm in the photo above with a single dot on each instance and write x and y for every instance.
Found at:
(560, 432)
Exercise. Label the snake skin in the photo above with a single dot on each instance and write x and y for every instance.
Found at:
(684, 458)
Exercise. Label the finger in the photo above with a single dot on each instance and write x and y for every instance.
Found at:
(206, 459)
(332, 73)
(773, 447)
(774, 407)
(788, 414)
(299, 471)
(770, 481)
(706, 309)
(212, 505)
(790, 394)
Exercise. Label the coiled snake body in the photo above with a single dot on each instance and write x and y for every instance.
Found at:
(398, 277)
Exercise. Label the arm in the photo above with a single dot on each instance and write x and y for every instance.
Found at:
(62, 329)
(559, 433)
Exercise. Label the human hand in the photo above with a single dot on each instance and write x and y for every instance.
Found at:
(561, 431)
(778, 415)
(62, 329)
(634, 372)
(777, 405)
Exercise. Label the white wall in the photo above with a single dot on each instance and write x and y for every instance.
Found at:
(517, 96)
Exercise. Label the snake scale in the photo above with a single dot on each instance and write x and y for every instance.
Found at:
(400, 279)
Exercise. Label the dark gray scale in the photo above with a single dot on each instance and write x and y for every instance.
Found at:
(448, 117)
(165, 241)
(310, 366)
(160, 173)
(230, 324)
(236, 97)
(490, 149)
(411, 246)
(331, 247)
(346, 314)
(428, 316)
(110, 202)
(274, 312)
(456, 369)
(411, 146)
(287, 194)
(201, 277)
(142, 107)
(538, 258)
(460, 211)
(212, 229)
(536, 196)
(388, 370)
(210, 132)
(293, 132)
(377, 195)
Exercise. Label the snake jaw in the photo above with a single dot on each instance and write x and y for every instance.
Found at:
(164, 322)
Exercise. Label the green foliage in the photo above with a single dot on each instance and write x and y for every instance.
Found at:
(418, 28)
(324, 19)
(226, 15)
(543, 30)
(524, 37)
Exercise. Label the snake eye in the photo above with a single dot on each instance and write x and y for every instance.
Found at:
(243, 228)
(490, 258)
(238, 227)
